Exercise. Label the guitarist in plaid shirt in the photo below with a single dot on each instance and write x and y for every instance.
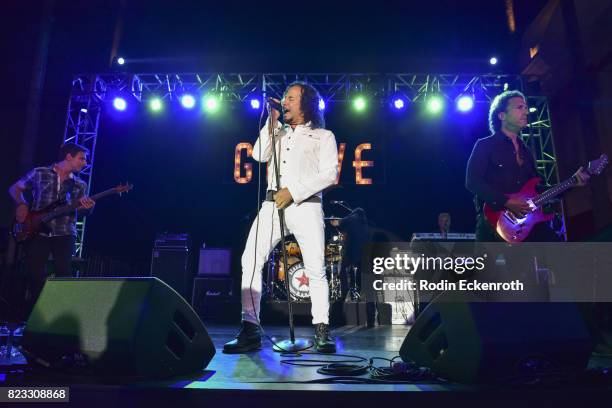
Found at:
(45, 186)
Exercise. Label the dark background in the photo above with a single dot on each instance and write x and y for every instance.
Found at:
(182, 164)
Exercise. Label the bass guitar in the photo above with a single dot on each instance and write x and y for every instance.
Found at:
(36, 221)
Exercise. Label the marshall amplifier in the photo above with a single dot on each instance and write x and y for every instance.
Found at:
(211, 296)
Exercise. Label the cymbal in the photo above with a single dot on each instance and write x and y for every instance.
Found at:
(332, 218)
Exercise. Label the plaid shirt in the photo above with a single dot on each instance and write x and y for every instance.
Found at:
(43, 183)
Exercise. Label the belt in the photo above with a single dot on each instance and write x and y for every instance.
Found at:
(311, 199)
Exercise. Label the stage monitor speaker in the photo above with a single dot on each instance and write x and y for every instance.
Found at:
(116, 327)
(489, 342)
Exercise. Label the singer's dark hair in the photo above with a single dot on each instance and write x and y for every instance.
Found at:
(309, 104)
(500, 104)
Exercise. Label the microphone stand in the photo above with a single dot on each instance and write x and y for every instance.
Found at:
(342, 204)
(292, 344)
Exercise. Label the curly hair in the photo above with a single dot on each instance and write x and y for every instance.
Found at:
(309, 104)
(500, 104)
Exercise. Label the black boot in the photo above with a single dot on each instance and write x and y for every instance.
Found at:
(323, 343)
(248, 339)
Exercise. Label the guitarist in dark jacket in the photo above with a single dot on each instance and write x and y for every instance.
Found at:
(46, 186)
(501, 164)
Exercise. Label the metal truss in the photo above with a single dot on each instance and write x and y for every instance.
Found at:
(482, 88)
(539, 137)
(91, 92)
(84, 108)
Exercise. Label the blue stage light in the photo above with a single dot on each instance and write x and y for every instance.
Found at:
(465, 103)
(321, 104)
(188, 101)
(119, 103)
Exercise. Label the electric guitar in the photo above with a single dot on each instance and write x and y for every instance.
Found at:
(514, 229)
(36, 221)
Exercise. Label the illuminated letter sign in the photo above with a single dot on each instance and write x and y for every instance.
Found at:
(248, 167)
(358, 164)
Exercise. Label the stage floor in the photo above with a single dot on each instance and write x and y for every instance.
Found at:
(261, 375)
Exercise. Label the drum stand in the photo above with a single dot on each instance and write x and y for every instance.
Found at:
(354, 288)
(292, 344)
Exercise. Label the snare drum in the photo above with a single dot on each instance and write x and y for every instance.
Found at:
(333, 252)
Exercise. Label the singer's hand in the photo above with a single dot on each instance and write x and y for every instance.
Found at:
(275, 113)
(283, 198)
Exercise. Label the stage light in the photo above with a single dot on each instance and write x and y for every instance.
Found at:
(120, 60)
(493, 61)
(188, 101)
(359, 103)
(321, 104)
(398, 103)
(119, 104)
(505, 86)
(155, 105)
(435, 104)
(255, 104)
(84, 110)
(465, 103)
(211, 103)
(532, 109)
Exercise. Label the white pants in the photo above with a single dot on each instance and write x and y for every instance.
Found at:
(305, 222)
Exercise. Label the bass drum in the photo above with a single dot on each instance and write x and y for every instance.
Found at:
(299, 282)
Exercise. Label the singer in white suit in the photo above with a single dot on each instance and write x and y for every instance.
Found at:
(307, 156)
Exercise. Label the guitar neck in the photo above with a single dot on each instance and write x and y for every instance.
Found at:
(554, 191)
(73, 206)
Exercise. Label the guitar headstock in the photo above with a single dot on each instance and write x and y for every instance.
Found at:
(123, 188)
(595, 167)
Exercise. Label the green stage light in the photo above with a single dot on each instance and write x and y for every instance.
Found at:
(359, 103)
(211, 103)
(155, 105)
(435, 104)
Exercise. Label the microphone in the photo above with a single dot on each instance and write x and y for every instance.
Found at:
(273, 104)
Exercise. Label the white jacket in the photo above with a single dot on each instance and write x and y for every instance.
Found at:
(308, 159)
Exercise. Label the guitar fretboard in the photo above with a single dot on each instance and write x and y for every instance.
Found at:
(554, 191)
(73, 206)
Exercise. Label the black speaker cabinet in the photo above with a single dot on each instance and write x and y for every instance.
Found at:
(487, 342)
(173, 266)
(211, 296)
(119, 327)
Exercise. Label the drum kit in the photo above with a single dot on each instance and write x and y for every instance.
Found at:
(275, 286)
